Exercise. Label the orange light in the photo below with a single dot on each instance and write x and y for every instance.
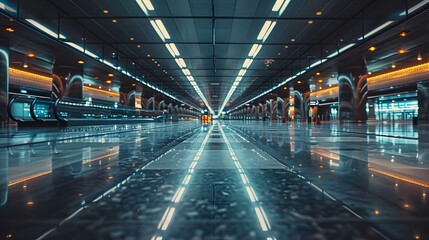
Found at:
(114, 21)
(109, 81)
(110, 74)
(318, 13)
(19, 74)
(114, 94)
(30, 203)
(320, 80)
(318, 73)
(406, 206)
(417, 237)
(31, 55)
(403, 34)
(139, 46)
(292, 39)
(80, 61)
(372, 48)
(9, 236)
(105, 11)
(376, 212)
(134, 84)
(285, 88)
(310, 22)
(401, 51)
(299, 82)
(9, 29)
(131, 38)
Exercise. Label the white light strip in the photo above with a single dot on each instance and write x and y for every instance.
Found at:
(44, 29)
(264, 30)
(253, 51)
(374, 31)
(148, 5)
(186, 71)
(242, 72)
(74, 45)
(247, 62)
(167, 45)
(174, 48)
(273, 24)
(142, 6)
(277, 5)
(284, 7)
(157, 30)
(162, 28)
(419, 5)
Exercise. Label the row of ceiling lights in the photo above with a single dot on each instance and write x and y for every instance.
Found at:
(279, 6)
(145, 5)
(161, 30)
(339, 51)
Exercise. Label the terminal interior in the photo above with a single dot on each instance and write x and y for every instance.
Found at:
(214, 119)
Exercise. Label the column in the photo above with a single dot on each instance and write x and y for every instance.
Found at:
(4, 82)
(423, 101)
(67, 81)
(352, 95)
(371, 108)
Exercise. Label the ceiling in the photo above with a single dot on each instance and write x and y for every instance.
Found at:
(214, 38)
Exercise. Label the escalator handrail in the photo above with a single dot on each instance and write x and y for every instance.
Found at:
(32, 114)
(9, 110)
(55, 111)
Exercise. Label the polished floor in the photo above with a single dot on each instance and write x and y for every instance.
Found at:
(227, 180)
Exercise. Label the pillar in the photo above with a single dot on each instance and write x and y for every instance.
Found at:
(371, 108)
(4, 82)
(423, 101)
(67, 81)
(352, 95)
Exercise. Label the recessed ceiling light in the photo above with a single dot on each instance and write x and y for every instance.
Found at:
(401, 51)
(108, 81)
(286, 46)
(299, 82)
(318, 13)
(285, 88)
(393, 65)
(131, 38)
(134, 84)
(31, 55)
(318, 73)
(105, 11)
(320, 80)
(148, 55)
(9, 29)
(80, 61)
(25, 65)
(114, 21)
(110, 74)
(310, 22)
(403, 34)
(139, 46)
(419, 58)
(292, 39)
(369, 73)
(372, 48)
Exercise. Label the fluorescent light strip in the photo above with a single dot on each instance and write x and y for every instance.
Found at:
(167, 45)
(252, 52)
(174, 48)
(157, 30)
(374, 31)
(264, 30)
(277, 5)
(186, 71)
(45, 29)
(273, 24)
(247, 62)
(142, 6)
(162, 28)
(284, 7)
(416, 7)
(148, 5)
